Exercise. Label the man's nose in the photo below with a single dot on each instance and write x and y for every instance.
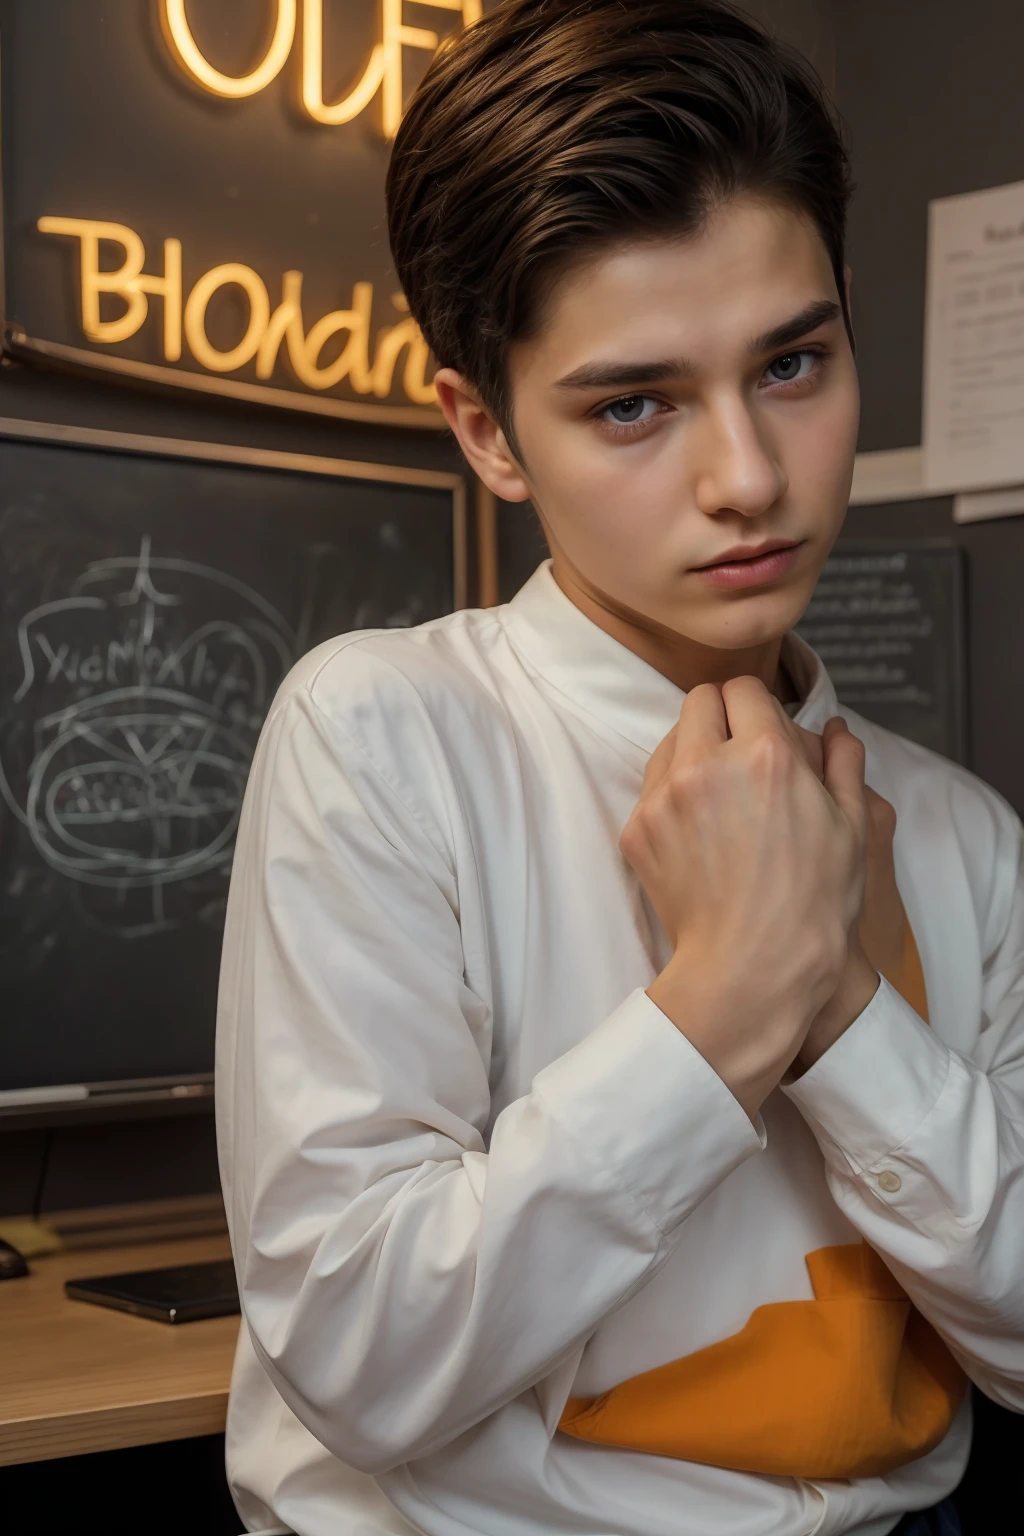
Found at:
(736, 467)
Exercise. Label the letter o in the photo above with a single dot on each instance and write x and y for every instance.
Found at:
(181, 42)
(195, 316)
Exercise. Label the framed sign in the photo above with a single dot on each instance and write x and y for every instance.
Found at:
(193, 195)
(887, 619)
(156, 592)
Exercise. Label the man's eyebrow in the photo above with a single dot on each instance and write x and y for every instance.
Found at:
(818, 313)
(609, 375)
(665, 370)
(616, 375)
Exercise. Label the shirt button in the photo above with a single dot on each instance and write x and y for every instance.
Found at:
(890, 1182)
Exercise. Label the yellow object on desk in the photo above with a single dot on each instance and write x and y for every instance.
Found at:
(28, 1236)
(79, 1378)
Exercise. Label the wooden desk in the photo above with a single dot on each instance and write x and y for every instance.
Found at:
(76, 1377)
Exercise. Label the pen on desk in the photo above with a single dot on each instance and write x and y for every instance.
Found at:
(61, 1093)
(67, 1093)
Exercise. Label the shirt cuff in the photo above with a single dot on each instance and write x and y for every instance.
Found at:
(871, 1090)
(644, 1103)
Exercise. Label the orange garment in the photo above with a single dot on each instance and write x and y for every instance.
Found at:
(851, 1384)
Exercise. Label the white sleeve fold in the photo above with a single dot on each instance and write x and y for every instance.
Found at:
(400, 1279)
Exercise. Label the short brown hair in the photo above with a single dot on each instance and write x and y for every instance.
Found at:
(551, 129)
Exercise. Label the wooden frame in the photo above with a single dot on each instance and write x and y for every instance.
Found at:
(160, 376)
(155, 446)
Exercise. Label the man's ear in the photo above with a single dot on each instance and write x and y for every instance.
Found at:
(480, 437)
(848, 288)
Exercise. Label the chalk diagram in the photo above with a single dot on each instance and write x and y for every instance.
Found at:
(136, 717)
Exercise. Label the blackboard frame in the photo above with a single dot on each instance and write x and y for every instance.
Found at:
(193, 1094)
(16, 344)
(156, 446)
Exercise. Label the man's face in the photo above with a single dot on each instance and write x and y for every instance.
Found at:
(685, 399)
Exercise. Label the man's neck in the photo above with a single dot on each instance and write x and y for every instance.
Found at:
(684, 662)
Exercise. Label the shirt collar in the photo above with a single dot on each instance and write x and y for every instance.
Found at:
(601, 676)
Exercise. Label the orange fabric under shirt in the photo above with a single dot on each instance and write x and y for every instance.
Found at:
(851, 1384)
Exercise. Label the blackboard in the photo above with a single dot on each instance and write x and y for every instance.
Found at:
(151, 604)
(887, 619)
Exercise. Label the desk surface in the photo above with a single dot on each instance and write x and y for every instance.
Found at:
(76, 1377)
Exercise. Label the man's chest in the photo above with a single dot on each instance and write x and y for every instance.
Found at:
(559, 931)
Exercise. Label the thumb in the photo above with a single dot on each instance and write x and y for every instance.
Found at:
(844, 772)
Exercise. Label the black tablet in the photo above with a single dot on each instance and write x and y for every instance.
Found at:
(179, 1295)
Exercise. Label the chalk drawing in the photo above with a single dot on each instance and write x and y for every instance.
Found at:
(138, 726)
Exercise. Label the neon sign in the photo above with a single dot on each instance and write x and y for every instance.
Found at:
(267, 329)
(383, 70)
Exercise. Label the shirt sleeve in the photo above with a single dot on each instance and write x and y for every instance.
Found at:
(401, 1279)
(924, 1151)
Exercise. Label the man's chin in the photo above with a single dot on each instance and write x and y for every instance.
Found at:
(745, 622)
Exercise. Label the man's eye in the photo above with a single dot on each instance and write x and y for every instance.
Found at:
(630, 410)
(791, 366)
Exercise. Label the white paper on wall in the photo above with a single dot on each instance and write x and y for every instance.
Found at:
(973, 430)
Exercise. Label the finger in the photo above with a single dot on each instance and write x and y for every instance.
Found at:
(807, 743)
(751, 710)
(881, 816)
(702, 724)
(844, 771)
(810, 744)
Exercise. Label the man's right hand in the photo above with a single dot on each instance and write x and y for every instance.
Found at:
(755, 868)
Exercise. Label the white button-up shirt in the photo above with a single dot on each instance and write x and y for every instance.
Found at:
(471, 1170)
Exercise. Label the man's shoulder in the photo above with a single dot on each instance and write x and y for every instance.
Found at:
(379, 685)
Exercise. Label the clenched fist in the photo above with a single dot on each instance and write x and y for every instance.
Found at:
(755, 866)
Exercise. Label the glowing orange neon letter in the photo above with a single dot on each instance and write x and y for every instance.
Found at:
(127, 281)
(384, 68)
(195, 316)
(183, 45)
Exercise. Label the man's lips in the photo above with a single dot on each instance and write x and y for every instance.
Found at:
(751, 565)
(742, 552)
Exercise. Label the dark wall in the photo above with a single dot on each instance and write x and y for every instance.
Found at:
(930, 90)
(930, 93)
(807, 24)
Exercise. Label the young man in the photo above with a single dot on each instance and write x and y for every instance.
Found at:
(599, 1158)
